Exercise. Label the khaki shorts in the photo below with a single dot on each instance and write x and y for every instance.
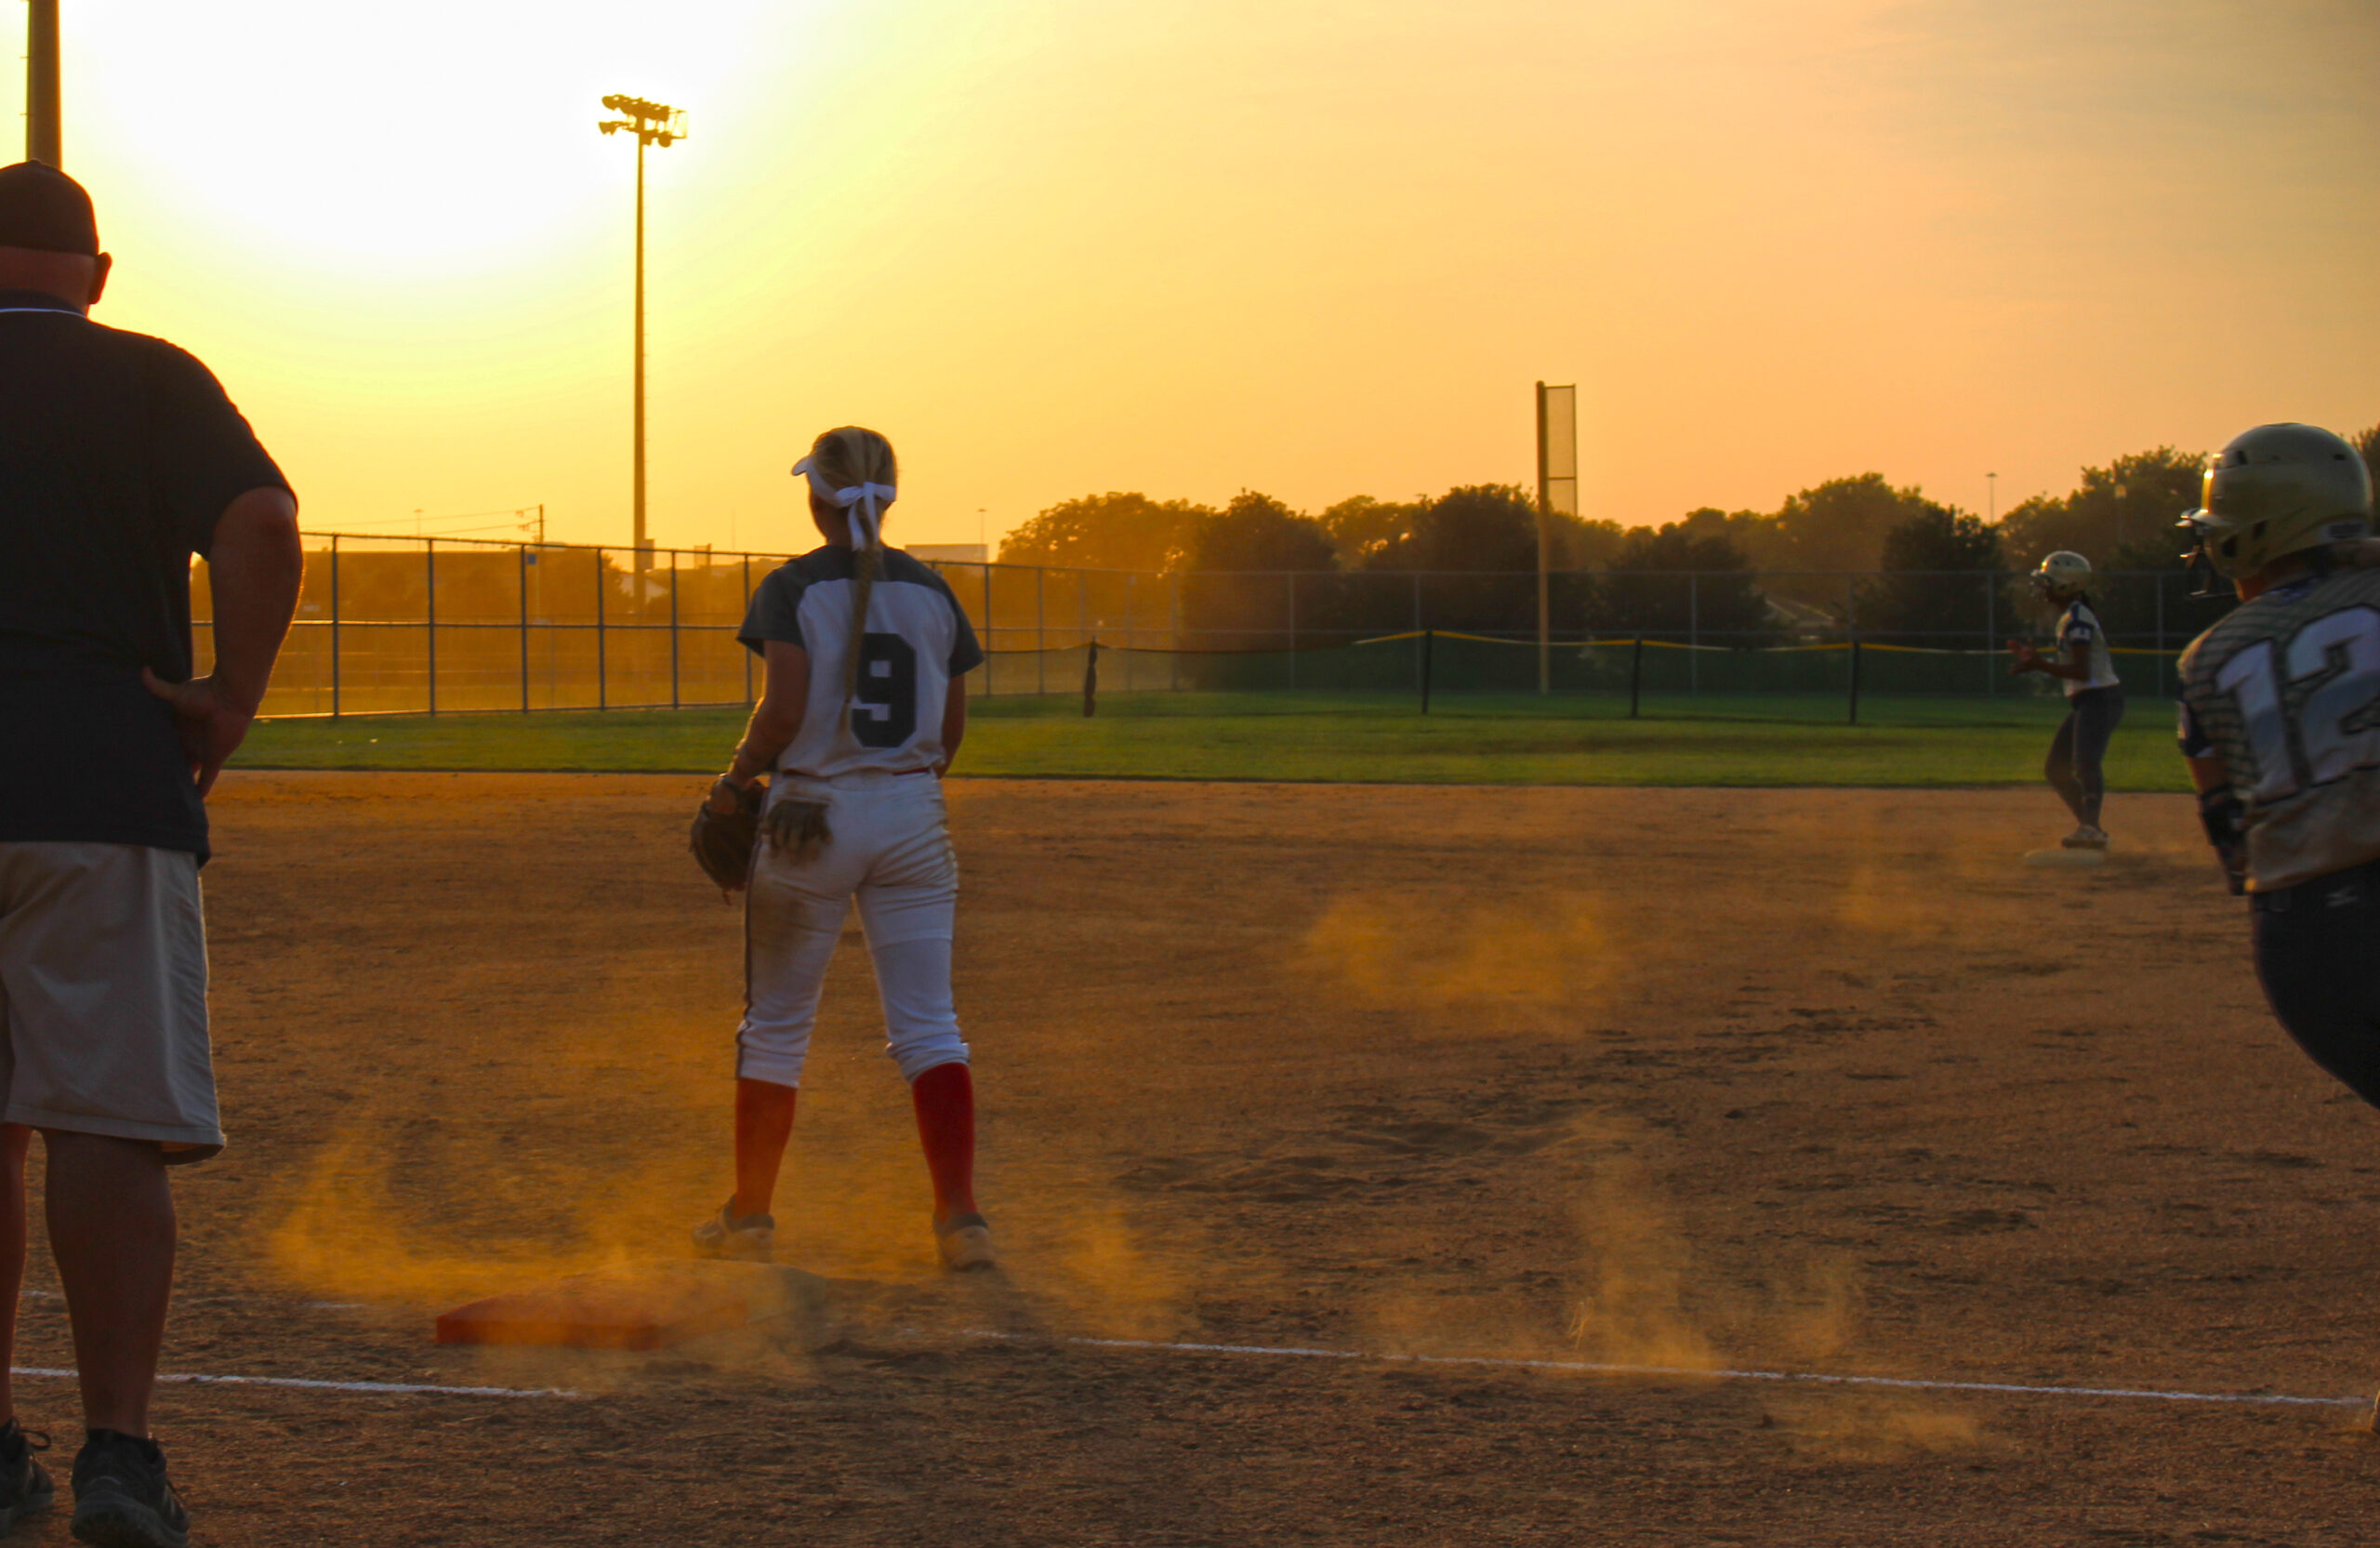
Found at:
(103, 995)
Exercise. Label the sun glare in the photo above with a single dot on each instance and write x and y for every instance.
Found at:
(446, 133)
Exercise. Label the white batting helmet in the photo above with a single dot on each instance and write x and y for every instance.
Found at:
(2063, 570)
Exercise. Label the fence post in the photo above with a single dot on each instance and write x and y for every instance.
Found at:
(673, 629)
(1040, 630)
(1694, 631)
(2160, 578)
(429, 575)
(1855, 680)
(991, 638)
(1635, 677)
(334, 626)
(1091, 679)
(1429, 638)
(1174, 656)
(1991, 632)
(524, 568)
(603, 666)
(1129, 578)
(1292, 578)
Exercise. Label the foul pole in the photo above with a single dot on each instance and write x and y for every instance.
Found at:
(42, 117)
(1557, 490)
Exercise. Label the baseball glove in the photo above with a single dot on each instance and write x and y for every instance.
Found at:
(724, 845)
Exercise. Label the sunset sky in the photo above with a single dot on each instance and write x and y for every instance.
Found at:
(1316, 248)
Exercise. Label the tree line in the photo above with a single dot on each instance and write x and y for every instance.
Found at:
(1922, 565)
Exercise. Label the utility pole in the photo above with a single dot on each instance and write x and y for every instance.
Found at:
(652, 124)
(42, 117)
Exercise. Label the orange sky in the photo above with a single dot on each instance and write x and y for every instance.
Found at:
(1055, 246)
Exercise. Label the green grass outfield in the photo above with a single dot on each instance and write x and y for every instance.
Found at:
(1465, 739)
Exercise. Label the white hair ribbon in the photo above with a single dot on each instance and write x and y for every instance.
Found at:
(863, 504)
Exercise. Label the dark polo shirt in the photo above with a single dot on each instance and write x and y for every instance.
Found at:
(118, 453)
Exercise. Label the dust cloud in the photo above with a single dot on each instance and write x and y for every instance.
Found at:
(1556, 950)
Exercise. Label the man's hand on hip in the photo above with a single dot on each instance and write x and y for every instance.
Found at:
(212, 722)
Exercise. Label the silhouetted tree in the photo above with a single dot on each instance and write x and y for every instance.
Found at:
(1939, 569)
(1228, 606)
(1839, 525)
(1581, 544)
(2128, 505)
(1485, 526)
(1115, 531)
(1362, 526)
(1720, 602)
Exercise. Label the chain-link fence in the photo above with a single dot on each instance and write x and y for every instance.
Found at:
(429, 625)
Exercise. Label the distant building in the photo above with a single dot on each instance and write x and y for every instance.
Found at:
(948, 553)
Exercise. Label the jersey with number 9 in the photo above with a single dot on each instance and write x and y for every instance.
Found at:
(2287, 689)
(916, 643)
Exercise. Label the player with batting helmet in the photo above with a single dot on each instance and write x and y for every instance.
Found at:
(2094, 696)
(866, 652)
(2280, 723)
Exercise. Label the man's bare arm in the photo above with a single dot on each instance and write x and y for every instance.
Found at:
(254, 568)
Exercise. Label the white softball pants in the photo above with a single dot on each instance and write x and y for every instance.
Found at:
(890, 848)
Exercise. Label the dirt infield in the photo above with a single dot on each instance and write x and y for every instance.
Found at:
(1794, 1080)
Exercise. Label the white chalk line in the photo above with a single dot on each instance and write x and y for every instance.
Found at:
(307, 1383)
(1581, 1367)
(1585, 1368)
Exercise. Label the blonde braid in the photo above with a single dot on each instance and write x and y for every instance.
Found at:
(842, 457)
(866, 563)
(845, 456)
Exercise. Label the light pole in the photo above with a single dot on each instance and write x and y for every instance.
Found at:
(653, 124)
(42, 133)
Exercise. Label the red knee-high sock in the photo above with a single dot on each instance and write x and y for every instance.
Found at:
(944, 1098)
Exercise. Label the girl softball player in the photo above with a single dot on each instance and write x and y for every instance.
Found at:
(2093, 697)
(863, 709)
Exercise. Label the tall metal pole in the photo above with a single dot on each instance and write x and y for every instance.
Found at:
(640, 359)
(44, 133)
(651, 124)
(1544, 626)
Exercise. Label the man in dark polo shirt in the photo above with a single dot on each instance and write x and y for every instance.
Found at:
(119, 457)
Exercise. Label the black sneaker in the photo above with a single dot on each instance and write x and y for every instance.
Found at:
(25, 1484)
(122, 1496)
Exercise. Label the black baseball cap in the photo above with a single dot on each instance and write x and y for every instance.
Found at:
(42, 208)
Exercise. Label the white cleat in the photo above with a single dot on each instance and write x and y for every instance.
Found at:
(965, 1242)
(750, 1239)
(2085, 837)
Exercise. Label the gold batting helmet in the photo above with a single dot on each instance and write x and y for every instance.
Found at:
(2275, 491)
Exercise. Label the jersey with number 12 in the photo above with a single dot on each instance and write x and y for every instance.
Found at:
(2287, 690)
(916, 642)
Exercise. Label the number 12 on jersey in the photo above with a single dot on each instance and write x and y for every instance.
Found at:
(2314, 747)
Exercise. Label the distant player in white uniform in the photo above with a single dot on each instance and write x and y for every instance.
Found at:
(863, 711)
(2280, 723)
(2093, 697)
